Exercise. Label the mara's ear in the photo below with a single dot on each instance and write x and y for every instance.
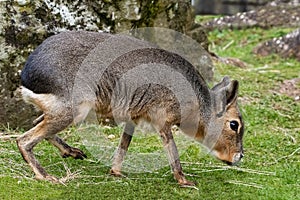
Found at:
(224, 96)
(223, 83)
(231, 92)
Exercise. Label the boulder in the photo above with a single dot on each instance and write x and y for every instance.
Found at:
(287, 46)
(283, 13)
(24, 24)
(278, 13)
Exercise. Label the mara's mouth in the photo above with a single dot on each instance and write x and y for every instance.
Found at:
(227, 162)
(234, 161)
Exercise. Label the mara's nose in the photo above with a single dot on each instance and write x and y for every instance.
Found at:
(237, 158)
(241, 155)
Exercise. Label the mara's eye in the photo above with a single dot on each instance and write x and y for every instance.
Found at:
(234, 125)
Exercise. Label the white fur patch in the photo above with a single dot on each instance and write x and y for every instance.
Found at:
(51, 103)
(41, 101)
(236, 158)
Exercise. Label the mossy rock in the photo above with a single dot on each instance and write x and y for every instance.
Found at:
(25, 24)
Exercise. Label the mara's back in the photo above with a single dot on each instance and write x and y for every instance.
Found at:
(52, 67)
(65, 62)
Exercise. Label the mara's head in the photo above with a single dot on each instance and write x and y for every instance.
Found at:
(224, 135)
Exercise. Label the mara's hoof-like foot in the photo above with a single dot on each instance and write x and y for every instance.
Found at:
(116, 173)
(75, 153)
(187, 184)
(49, 178)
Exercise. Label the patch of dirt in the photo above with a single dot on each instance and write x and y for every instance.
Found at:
(291, 88)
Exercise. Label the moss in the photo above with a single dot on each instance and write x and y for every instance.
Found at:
(21, 39)
(26, 9)
(149, 10)
(20, 30)
(45, 16)
(182, 22)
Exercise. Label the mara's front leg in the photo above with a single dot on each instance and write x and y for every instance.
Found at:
(173, 156)
(122, 150)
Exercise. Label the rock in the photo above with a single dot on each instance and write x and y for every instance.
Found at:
(24, 24)
(228, 7)
(291, 88)
(273, 14)
(284, 2)
(278, 13)
(287, 46)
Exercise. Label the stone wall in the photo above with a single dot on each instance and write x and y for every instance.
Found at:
(26, 23)
(227, 7)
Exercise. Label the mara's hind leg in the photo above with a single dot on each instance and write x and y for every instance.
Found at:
(65, 149)
(81, 111)
(48, 127)
(122, 149)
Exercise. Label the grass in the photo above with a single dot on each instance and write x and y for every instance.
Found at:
(270, 169)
